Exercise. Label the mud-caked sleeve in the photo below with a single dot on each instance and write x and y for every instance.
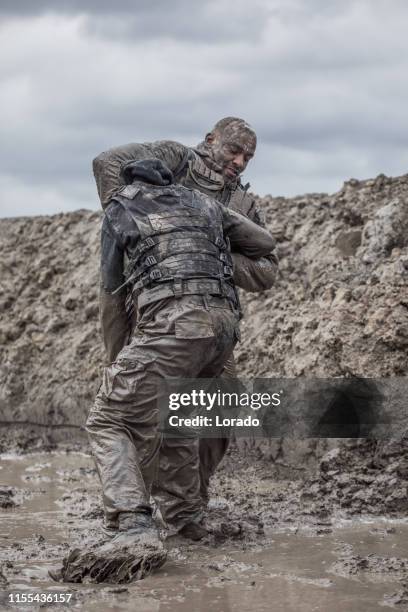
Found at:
(108, 166)
(255, 274)
(246, 237)
(115, 323)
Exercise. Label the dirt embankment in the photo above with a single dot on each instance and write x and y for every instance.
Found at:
(51, 349)
(339, 307)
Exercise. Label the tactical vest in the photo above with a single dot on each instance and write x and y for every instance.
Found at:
(179, 246)
(195, 174)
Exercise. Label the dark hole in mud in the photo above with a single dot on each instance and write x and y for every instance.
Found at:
(327, 408)
(351, 410)
(341, 419)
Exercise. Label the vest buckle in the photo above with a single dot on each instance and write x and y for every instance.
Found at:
(147, 243)
(155, 274)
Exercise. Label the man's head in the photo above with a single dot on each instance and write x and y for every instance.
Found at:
(231, 144)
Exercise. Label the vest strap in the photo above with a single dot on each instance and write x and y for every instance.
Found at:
(179, 287)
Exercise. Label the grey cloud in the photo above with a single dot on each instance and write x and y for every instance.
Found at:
(29, 8)
(200, 26)
(144, 20)
(322, 83)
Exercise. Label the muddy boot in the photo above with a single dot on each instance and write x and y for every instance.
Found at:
(110, 528)
(197, 530)
(193, 531)
(130, 555)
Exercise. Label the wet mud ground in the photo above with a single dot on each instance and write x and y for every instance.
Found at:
(270, 551)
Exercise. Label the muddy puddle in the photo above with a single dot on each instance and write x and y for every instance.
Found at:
(50, 504)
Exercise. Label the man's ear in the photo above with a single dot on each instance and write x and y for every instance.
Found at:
(209, 138)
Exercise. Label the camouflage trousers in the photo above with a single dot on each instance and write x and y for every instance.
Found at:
(211, 451)
(170, 487)
(188, 337)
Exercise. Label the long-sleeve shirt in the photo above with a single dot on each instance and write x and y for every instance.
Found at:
(249, 274)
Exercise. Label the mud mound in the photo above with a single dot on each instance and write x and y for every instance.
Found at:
(339, 307)
(50, 343)
(361, 477)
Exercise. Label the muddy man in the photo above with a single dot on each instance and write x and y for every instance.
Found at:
(177, 242)
(214, 167)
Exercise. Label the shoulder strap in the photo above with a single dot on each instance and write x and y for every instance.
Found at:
(183, 164)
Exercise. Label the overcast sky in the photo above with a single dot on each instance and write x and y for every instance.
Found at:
(323, 82)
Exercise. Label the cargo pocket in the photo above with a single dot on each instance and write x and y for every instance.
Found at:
(194, 324)
(120, 380)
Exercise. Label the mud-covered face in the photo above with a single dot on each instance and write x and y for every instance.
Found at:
(231, 150)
